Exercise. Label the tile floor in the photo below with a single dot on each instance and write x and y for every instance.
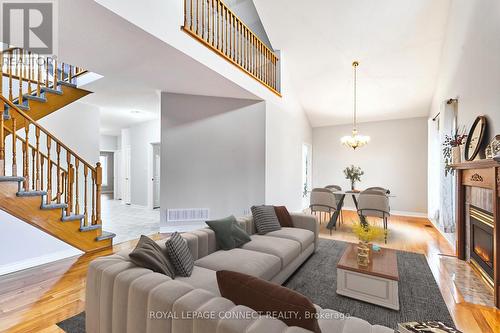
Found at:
(128, 222)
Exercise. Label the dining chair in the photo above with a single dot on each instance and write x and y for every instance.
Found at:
(338, 197)
(377, 188)
(322, 201)
(375, 204)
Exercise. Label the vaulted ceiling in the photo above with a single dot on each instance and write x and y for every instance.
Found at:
(397, 42)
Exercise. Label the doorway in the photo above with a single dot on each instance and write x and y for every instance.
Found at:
(106, 158)
(156, 175)
(126, 175)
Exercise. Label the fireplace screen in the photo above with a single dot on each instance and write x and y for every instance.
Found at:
(481, 239)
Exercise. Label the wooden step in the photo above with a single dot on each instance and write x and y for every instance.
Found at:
(48, 219)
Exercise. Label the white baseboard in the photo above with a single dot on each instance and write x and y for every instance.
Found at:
(441, 232)
(33, 262)
(396, 212)
(181, 226)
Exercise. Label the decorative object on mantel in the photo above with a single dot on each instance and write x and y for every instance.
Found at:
(493, 149)
(354, 175)
(355, 140)
(366, 234)
(475, 138)
(452, 151)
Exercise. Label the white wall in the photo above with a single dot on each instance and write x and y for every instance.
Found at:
(470, 63)
(77, 126)
(286, 130)
(213, 154)
(108, 143)
(141, 137)
(396, 158)
(36, 247)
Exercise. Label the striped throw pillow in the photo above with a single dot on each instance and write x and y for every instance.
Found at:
(179, 255)
(265, 219)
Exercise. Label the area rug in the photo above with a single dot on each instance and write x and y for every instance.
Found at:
(419, 296)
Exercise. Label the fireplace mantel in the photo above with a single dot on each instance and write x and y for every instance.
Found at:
(482, 174)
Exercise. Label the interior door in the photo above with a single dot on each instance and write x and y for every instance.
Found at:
(156, 176)
(126, 174)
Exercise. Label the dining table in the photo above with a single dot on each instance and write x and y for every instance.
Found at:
(340, 198)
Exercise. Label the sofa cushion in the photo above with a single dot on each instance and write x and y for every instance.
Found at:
(202, 278)
(304, 237)
(285, 249)
(179, 255)
(150, 255)
(267, 297)
(265, 219)
(262, 265)
(283, 216)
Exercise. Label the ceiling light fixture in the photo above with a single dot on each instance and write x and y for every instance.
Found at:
(355, 140)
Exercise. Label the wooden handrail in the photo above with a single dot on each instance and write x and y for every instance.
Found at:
(214, 24)
(45, 131)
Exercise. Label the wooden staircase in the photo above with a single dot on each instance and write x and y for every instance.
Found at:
(52, 188)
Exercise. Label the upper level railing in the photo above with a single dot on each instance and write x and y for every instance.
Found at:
(215, 25)
(46, 163)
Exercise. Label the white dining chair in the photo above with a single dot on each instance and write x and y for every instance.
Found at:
(322, 201)
(374, 203)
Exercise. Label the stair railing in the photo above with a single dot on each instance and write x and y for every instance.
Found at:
(212, 23)
(27, 73)
(48, 165)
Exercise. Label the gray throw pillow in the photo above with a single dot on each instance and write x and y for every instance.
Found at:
(179, 254)
(223, 229)
(239, 234)
(228, 233)
(149, 255)
(265, 219)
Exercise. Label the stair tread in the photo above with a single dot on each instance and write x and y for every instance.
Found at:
(35, 98)
(91, 227)
(105, 235)
(54, 206)
(64, 83)
(74, 217)
(11, 179)
(31, 193)
(52, 91)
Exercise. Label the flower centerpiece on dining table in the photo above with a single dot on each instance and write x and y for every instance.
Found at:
(353, 173)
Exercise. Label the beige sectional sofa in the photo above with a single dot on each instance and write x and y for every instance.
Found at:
(121, 297)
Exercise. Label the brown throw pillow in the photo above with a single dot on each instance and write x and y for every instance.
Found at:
(268, 298)
(283, 216)
(149, 255)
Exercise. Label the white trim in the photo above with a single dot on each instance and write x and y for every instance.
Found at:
(181, 227)
(33, 262)
(396, 212)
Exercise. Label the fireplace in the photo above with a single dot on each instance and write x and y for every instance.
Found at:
(481, 241)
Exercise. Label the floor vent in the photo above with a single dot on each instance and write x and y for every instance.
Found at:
(188, 214)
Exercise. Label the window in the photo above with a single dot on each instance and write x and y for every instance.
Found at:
(306, 173)
(104, 164)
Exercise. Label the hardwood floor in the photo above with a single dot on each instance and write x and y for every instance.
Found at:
(35, 300)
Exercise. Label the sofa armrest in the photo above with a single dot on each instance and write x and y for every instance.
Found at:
(308, 222)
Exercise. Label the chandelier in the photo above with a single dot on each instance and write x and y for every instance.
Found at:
(355, 140)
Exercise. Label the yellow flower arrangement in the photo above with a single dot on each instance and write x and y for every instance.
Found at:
(368, 233)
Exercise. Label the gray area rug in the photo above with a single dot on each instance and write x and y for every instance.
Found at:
(419, 296)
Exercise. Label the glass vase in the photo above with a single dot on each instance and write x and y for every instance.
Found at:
(363, 254)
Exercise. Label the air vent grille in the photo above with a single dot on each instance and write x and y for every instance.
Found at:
(188, 214)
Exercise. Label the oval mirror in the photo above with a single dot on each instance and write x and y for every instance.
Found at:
(475, 138)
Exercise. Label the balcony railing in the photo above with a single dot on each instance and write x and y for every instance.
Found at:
(215, 25)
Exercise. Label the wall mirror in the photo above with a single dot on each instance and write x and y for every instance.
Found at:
(475, 138)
